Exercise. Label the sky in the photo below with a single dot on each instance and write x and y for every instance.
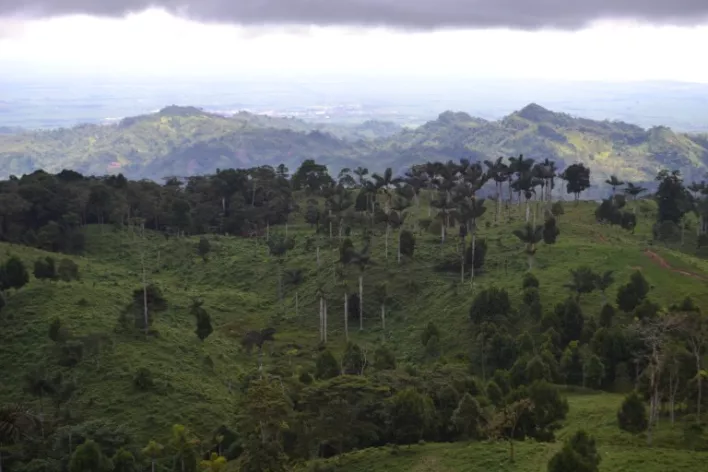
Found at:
(619, 40)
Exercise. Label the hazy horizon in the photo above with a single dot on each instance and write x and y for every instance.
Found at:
(45, 102)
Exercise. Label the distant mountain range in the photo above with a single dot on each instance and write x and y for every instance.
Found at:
(185, 141)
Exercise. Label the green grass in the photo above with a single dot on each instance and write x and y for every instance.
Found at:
(595, 413)
(197, 383)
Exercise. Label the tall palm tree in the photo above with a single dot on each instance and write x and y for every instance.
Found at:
(16, 423)
(614, 182)
(519, 166)
(547, 171)
(445, 207)
(396, 218)
(634, 191)
(582, 280)
(183, 445)
(530, 236)
(361, 173)
(416, 180)
(603, 282)
(363, 259)
(337, 204)
(470, 211)
(38, 384)
(497, 171)
(386, 183)
(153, 451)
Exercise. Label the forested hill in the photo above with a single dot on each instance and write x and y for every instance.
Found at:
(187, 141)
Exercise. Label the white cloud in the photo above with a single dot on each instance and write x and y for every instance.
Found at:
(154, 43)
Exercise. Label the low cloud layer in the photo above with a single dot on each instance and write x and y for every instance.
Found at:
(413, 14)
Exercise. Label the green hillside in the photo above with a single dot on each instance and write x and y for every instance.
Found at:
(187, 141)
(554, 323)
(198, 383)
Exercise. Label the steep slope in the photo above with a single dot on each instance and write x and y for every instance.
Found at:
(197, 383)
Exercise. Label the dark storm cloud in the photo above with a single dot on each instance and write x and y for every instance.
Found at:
(414, 14)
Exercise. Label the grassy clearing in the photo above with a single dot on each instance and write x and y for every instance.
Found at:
(596, 413)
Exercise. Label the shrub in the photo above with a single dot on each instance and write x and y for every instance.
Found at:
(579, 454)
(529, 281)
(327, 366)
(384, 359)
(68, 270)
(143, 379)
(632, 416)
(45, 269)
(407, 241)
(490, 304)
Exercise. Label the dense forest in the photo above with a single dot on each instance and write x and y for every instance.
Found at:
(355, 251)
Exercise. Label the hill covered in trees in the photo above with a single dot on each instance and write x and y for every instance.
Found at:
(262, 320)
(186, 141)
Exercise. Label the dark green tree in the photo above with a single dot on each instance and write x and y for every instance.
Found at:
(353, 360)
(583, 280)
(530, 236)
(327, 366)
(629, 296)
(204, 248)
(68, 270)
(492, 304)
(13, 274)
(468, 417)
(577, 178)
(124, 461)
(408, 416)
(88, 458)
(45, 269)
(632, 416)
(550, 231)
(204, 328)
(579, 454)
(672, 197)
(384, 358)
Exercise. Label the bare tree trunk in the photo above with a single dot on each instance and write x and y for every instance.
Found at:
(296, 303)
(145, 303)
(318, 255)
(399, 245)
(286, 229)
(361, 302)
(346, 316)
(462, 263)
(325, 320)
(700, 385)
(267, 231)
(321, 320)
(383, 316)
(387, 229)
(473, 248)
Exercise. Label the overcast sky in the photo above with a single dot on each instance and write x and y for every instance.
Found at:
(632, 40)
